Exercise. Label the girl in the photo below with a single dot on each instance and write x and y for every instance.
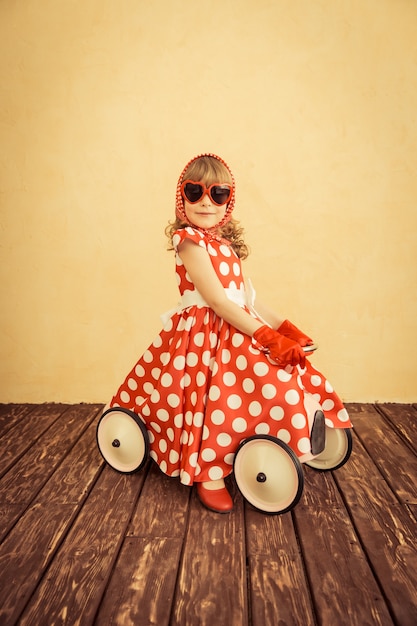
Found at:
(220, 370)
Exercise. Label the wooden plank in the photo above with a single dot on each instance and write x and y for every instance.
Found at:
(320, 489)
(26, 552)
(142, 586)
(21, 437)
(388, 536)
(70, 483)
(343, 588)
(9, 514)
(403, 418)
(278, 586)
(346, 554)
(21, 483)
(211, 586)
(360, 467)
(162, 508)
(413, 510)
(72, 588)
(342, 582)
(275, 595)
(32, 542)
(266, 535)
(395, 460)
(73, 478)
(12, 414)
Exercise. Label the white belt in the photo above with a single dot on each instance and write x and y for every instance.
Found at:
(241, 297)
(194, 298)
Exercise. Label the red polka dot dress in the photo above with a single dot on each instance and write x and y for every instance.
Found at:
(203, 386)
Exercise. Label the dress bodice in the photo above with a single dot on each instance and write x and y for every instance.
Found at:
(226, 263)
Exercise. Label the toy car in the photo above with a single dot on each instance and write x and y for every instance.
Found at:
(267, 471)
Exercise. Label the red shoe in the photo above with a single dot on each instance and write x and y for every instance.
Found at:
(217, 500)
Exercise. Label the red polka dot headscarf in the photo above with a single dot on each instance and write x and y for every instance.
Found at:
(180, 213)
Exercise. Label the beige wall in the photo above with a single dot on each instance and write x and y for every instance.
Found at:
(313, 104)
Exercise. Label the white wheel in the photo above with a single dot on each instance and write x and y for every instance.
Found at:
(123, 440)
(337, 450)
(268, 474)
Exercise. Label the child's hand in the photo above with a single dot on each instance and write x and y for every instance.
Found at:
(292, 332)
(283, 350)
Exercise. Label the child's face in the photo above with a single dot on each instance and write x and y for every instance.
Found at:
(204, 213)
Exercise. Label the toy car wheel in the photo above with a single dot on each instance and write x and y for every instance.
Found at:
(123, 440)
(268, 474)
(337, 450)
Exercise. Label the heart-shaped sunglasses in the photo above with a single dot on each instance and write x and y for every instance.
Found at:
(193, 192)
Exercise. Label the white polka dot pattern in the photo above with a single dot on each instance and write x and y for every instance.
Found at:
(203, 386)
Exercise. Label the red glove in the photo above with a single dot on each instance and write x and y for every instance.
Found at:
(283, 350)
(292, 332)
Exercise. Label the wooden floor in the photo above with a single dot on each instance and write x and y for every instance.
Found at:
(81, 544)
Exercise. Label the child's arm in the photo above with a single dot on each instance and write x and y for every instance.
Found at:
(198, 265)
(282, 325)
(283, 350)
(269, 316)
